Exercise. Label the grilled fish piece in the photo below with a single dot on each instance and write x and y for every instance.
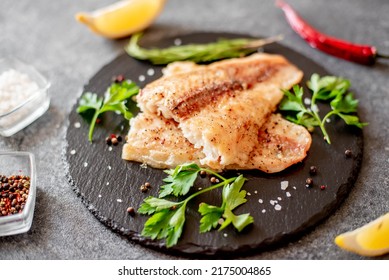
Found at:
(160, 143)
(221, 107)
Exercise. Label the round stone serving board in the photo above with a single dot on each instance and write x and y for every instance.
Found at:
(108, 185)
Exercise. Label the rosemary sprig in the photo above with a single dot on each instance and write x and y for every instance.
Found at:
(221, 49)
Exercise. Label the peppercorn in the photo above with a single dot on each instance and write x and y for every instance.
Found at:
(14, 193)
(119, 138)
(147, 185)
(309, 181)
(143, 188)
(118, 79)
(313, 170)
(108, 141)
(348, 153)
(213, 180)
(115, 141)
(203, 173)
(131, 211)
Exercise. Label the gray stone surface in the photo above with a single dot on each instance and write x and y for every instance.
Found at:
(45, 34)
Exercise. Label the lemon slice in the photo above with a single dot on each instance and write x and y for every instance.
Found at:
(370, 240)
(122, 18)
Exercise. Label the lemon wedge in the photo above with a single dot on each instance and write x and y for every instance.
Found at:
(122, 18)
(369, 240)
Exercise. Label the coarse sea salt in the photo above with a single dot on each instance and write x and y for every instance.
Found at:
(288, 194)
(15, 89)
(277, 207)
(284, 185)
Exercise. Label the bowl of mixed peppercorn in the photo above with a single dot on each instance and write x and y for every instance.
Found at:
(17, 192)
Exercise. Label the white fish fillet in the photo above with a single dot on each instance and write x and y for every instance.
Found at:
(221, 107)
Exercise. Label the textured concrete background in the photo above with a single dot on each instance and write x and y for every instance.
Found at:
(45, 34)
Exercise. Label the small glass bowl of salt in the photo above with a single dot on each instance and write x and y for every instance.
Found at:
(23, 93)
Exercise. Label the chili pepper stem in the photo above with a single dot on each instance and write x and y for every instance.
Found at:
(385, 56)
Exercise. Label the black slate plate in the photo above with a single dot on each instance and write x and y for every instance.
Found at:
(108, 185)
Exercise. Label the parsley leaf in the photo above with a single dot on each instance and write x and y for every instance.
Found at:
(328, 88)
(179, 180)
(233, 197)
(168, 217)
(117, 95)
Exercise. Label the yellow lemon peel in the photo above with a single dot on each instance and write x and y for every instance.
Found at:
(123, 18)
(369, 240)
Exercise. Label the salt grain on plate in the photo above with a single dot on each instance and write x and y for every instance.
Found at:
(119, 200)
(260, 200)
(85, 164)
(225, 234)
(284, 185)
(109, 148)
(77, 125)
(141, 78)
(107, 183)
(255, 192)
(279, 198)
(328, 120)
(272, 202)
(72, 152)
(177, 42)
(277, 207)
(294, 187)
(248, 194)
(150, 72)
(143, 165)
(109, 167)
(307, 101)
(288, 194)
(99, 195)
(263, 210)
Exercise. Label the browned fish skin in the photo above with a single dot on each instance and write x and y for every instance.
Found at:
(181, 95)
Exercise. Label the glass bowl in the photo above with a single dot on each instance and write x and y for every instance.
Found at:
(29, 109)
(18, 163)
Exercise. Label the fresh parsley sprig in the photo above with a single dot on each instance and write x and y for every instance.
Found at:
(168, 217)
(117, 95)
(327, 89)
(223, 48)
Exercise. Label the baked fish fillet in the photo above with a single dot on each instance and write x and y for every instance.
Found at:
(221, 107)
(159, 142)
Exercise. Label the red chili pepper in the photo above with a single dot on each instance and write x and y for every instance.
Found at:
(363, 54)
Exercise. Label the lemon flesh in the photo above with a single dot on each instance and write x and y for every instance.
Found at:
(122, 18)
(370, 240)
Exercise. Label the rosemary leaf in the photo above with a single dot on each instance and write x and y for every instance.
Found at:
(221, 49)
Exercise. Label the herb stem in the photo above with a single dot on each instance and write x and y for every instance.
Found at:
(221, 184)
(92, 125)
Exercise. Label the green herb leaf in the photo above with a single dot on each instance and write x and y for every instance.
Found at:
(233, 197)
(329, 88)
(118, 95)
(89, 101)
(223, 48)
(180, 180)
(168, 218)
(166, 224)
(152, 204)
(210, 216)
(239, 222)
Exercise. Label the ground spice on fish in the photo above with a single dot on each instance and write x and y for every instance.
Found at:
(13, 194)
